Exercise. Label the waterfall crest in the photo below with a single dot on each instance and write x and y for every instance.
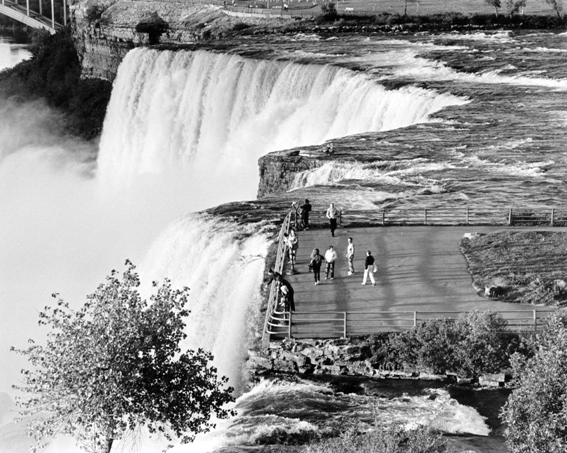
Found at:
(206, 117)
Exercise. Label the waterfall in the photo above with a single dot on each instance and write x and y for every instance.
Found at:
(205, 118)
(183, 132)
(223, 265)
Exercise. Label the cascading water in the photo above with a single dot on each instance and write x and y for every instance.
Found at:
(182, 133)
(206, 118)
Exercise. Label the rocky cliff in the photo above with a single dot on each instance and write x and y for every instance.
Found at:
(105, 30)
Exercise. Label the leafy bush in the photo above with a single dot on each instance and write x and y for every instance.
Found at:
(54, 73)
(383, 440)
(473, 344)
(536, 412)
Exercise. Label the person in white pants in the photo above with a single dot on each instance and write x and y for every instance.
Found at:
(369, 268)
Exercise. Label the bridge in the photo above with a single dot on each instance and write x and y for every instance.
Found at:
(31, 18)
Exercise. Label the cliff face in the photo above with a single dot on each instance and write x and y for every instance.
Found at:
(105, 30)
(278, 170)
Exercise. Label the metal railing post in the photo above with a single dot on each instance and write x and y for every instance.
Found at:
(467, 215)
(415, 318)
(552, 217)
(53, 14)
(64, 11)
(289, 327)
(344, 324)
(383, 217)
(28, 8)
(535, 320)
(510, 217)
(425, 216)
(340, 218)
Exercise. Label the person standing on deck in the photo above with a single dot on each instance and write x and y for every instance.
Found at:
(305, 209)
(369, 268)
(287, 292)
(350, 256)
(330, 258)
(315, 264)
(332, 214)
(293, 244)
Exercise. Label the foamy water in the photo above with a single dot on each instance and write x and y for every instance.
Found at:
(183, 132)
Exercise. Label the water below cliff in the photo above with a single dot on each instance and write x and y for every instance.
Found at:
(473, 118)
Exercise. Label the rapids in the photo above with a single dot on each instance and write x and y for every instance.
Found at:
(456, 118)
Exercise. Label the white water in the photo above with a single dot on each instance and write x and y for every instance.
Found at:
(183, 132)
(11, 54)
(200, 113)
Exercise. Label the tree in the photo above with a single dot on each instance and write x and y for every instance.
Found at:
(495, 4)
(115, 365)
(536, 411)
(515, 7)
(557, 6)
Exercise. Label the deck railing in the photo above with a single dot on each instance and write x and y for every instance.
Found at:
(334, 324)
(449, 216)
(272, 316)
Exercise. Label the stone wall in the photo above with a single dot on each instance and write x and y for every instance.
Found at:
(346, 357)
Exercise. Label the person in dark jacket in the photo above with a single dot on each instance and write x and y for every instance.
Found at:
(315, 264)
(305, 209)
(369, 268)
(287, 292)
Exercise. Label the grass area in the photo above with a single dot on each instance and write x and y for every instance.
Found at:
(526, 266)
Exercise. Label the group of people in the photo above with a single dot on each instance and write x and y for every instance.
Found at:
(330, 259)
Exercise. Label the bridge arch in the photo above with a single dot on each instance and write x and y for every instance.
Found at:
(31, 18)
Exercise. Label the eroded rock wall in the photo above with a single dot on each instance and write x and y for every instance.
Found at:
(105, 30)
(279, 170)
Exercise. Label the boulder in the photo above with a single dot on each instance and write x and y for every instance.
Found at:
(492, 380)
(432, 377)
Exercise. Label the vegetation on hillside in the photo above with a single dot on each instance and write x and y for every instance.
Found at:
(115, 365)
(536, 412)
(54, 73)
(383, 439)
(474, 344)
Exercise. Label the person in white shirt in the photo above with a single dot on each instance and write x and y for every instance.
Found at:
(350, 256)
(330, 258)
(332, 214)
(293, 244)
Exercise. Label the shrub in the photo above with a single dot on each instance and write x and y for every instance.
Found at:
(473, 344)
(536, 411)
(383, 440)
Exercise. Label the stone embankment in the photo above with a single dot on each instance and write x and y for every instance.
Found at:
(342, 357)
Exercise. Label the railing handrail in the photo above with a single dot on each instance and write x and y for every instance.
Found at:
(298, 313)
(461, 215)
(278, 267)
(530, 320)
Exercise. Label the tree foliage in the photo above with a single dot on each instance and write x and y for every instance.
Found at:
(471, 345)
(536, 412)
(54, 74)
(495, 4)
(115, 365)
(557, 6)
(383, 439)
